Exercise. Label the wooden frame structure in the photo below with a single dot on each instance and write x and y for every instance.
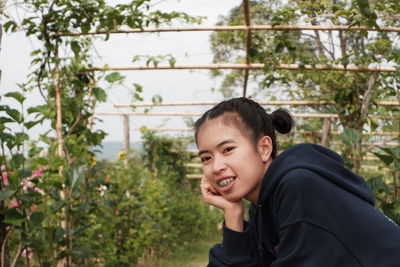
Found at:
(248, 28)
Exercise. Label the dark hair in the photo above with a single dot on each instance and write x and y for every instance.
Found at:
(249, 116)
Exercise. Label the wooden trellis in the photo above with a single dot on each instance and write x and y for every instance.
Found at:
(247, 67)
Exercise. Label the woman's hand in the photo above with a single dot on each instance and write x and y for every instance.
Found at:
(233, 211)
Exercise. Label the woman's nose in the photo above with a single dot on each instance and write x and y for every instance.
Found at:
(218, 165)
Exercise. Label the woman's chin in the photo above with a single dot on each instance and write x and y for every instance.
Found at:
(232, 198)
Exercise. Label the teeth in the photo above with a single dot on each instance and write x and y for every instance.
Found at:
(226, 182)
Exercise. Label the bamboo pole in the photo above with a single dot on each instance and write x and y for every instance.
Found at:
(211, 103)
(186, 114)
(326, 130)
(4, 233)
(200, 175)
(64, 221)
(239, 28)
(254, 66)
(248, 44)
(295, 132)
(167, 129)
(126, 139)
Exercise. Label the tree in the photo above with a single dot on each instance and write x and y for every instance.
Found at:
(354, 92)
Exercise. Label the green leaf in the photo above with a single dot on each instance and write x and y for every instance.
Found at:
(79, 229)
(17, 96)
(114, 77)
(75, 177)
(138, 87)
(30, 124)
(10, 25)
(394, 152)
(397, 165)
(4, 194)
(157, 99)
(81, 252)
(37, 109)
(16, 161)
(15, 115)
(58, 234)
(5, 120)
(13, 217)
(172, 61)
(58, 205)
(54, 194)
(34, 151)
(350, 137)
(385, 158)
(37, 217)
(100, 94)
(85, 28)
(75, 48)
(269, 66)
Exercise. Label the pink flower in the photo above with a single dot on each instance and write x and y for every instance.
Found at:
(27, 253)
(26, 184)
(5, 178)
(38, 190)
(37, 173)
(14, 204)
(102, 189)
(33, 208)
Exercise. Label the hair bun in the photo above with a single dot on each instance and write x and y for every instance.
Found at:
(282, 120)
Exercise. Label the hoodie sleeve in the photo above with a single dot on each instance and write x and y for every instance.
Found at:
(237, 249)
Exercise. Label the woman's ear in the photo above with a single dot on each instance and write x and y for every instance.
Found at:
(265, 147)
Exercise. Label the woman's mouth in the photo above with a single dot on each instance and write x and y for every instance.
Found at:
(226, 182)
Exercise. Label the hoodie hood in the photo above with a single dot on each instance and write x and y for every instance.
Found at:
(324, 162)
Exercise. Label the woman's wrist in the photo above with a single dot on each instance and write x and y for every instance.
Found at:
(234, 218)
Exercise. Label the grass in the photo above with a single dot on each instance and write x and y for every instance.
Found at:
(191, 255)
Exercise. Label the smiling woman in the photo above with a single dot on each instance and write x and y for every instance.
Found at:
(306, 209)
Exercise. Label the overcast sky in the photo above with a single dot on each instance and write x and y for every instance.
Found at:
(171, 85)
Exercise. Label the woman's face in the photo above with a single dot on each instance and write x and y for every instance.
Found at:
(231, 162)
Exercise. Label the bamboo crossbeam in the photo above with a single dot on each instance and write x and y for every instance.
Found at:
(337, 133)
(255, 66)
(194, 176)
(295, 132)
(200, 166)
(238, 28)
(197, 159)
(116, 113)
(199, 175)
(212, 103)
(186, 114)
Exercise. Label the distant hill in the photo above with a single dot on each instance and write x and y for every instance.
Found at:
(110, 149)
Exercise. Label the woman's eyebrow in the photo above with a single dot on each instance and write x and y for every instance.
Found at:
(218, 146)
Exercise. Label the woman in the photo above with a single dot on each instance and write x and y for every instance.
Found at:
(306, 209)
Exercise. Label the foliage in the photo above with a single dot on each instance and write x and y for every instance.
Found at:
(143, 215)
(354, 92)
(49, 193)
(126, 214)
(387, 189)
(165, 155)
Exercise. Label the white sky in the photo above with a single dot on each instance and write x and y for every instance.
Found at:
(171, 85)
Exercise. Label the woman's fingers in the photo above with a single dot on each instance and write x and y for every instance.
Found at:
(213, 190)
(211, 195)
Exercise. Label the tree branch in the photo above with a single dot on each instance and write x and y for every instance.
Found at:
(367, 96)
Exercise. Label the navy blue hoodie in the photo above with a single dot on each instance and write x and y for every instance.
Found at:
(313, 212)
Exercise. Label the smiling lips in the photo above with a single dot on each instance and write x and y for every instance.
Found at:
(226, 181)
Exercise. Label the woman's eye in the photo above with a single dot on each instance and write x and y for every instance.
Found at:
(227, 149)
(204, 159)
